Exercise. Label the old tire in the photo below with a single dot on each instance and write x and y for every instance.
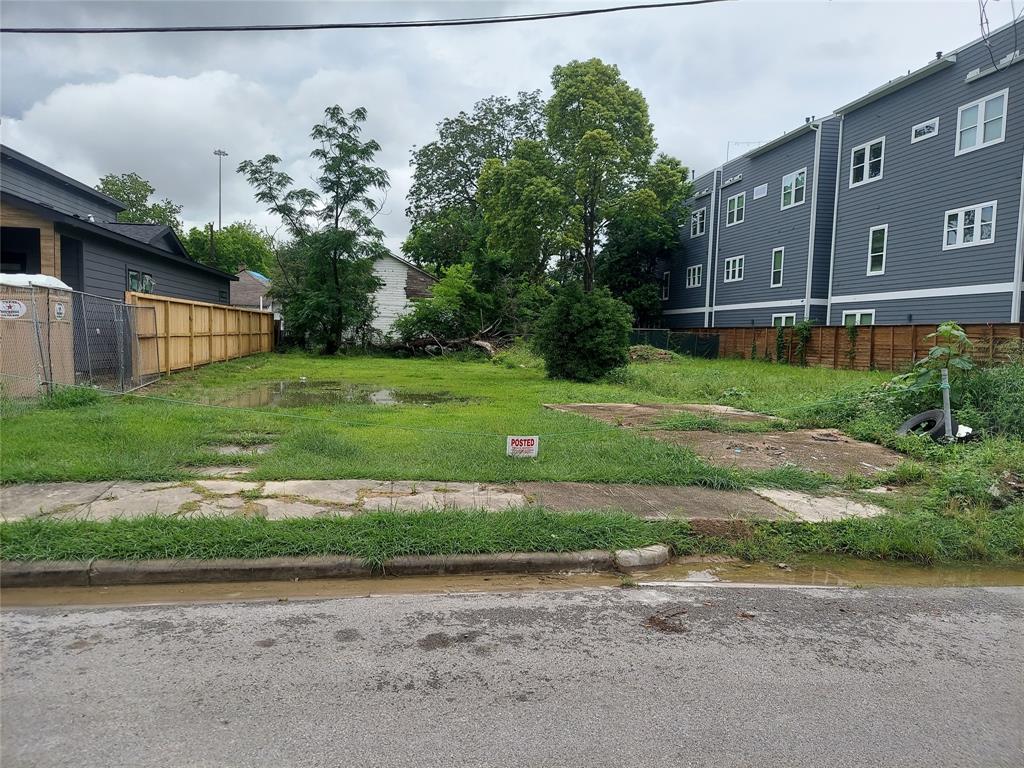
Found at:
(928, 423)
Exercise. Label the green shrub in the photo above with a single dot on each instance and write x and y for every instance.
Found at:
(71, 397)
(455, 310)
(994, 399)
(583, 336)
(518, 355)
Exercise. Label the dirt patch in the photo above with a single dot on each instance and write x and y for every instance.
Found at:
(817, 450)
(645, 414)
(670, 621)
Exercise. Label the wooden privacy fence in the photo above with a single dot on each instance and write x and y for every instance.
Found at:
(869, 347)
(183, 334)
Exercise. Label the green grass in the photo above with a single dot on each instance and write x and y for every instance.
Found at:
(138, 438)
(375, 537)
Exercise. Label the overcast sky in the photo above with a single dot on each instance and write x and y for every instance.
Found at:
(160, 104)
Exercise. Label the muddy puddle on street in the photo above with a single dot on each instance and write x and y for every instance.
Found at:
(303, 394)
(817, 572)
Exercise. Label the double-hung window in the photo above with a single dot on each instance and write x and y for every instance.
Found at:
(698, 222)
(866, 162)
(666, 282)
(981, 123)
(784, 319)
(734, 269)
(694, 275)
(734, 209)
(794, 188)
(777, 257)
(966, 227)
(877, 242)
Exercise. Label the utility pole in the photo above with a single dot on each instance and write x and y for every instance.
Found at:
(221, 154)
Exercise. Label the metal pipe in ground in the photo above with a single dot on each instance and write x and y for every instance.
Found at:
(946, 412)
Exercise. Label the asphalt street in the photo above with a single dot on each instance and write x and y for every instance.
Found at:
(654, 676)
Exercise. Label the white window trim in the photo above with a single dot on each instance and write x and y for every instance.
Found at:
(782, 192)
(857, 313)
(666, 282)
(734, 260)
(701, 220)
(782, 267)
(885, 249)
(981, 123)
(694, 275)
(933, 134)
(782, 316)
(977, 225)
(728, 200)
(866, 146)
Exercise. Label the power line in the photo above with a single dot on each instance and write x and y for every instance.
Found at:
(458, 22)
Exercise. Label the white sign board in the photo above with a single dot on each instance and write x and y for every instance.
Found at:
(58, 310)
(11, 309)
(760, 191)
(522, 447)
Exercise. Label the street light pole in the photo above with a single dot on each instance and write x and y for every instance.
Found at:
(221, 154)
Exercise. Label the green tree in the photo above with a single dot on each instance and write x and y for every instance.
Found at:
(443, 208)
(599, 130)
(235, 247)
(640, 235)
(325, 274)
(134, 191)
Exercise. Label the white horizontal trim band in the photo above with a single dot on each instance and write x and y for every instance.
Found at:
(692, 311)
(753, 305)
(926, 293)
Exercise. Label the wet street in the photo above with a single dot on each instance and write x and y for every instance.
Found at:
(673, 675)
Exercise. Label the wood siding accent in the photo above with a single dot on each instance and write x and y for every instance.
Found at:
(49, 243)
(183, 334)
(877, 347)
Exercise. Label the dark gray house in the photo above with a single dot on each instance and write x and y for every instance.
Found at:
(55, 225)
(757, 245)
(905, 206)
(928, 224)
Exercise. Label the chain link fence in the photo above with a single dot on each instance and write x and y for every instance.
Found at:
(51, 337)
(683, 342)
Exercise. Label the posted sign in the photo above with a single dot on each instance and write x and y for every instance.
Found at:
(522, 447)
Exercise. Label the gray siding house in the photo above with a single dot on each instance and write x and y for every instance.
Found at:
(928, 224)
(55, 225)
(756, 250)
(905, 206)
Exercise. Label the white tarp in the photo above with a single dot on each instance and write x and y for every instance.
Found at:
(39, 281)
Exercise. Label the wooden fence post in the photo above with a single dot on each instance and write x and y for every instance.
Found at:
(191, 336)
(167, 334)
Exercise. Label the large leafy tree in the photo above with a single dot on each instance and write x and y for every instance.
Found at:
(324, 275)
(599, 129)
(237, 246)
(135, 192)
(443, 208)
(641, 233)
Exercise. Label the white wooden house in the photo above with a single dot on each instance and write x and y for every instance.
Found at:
(403, 282)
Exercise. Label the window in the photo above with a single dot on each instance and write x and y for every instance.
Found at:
(734, 269)
(134, 280)
(694, 275)
(794, 188)
(734, 209)
(147, 282)
(787, 318)
(866, 162)
(777, 256)
(924, 130)
(858, 317)
(877, 240)
(665, 283)
(981, 123)
(698, 222)
(974, 225)
(760, 191)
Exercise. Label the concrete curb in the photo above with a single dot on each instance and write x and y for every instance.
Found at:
(646, 557)
(113, 572)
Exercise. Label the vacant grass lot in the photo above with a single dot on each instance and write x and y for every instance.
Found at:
(149, 437)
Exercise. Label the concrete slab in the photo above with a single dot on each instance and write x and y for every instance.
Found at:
(656, 502)
(337, 491)
(241, 450)
(18, 502)
(284, 509)
(816, 509)
(227, 487)
(219, 471)
(126, 500)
